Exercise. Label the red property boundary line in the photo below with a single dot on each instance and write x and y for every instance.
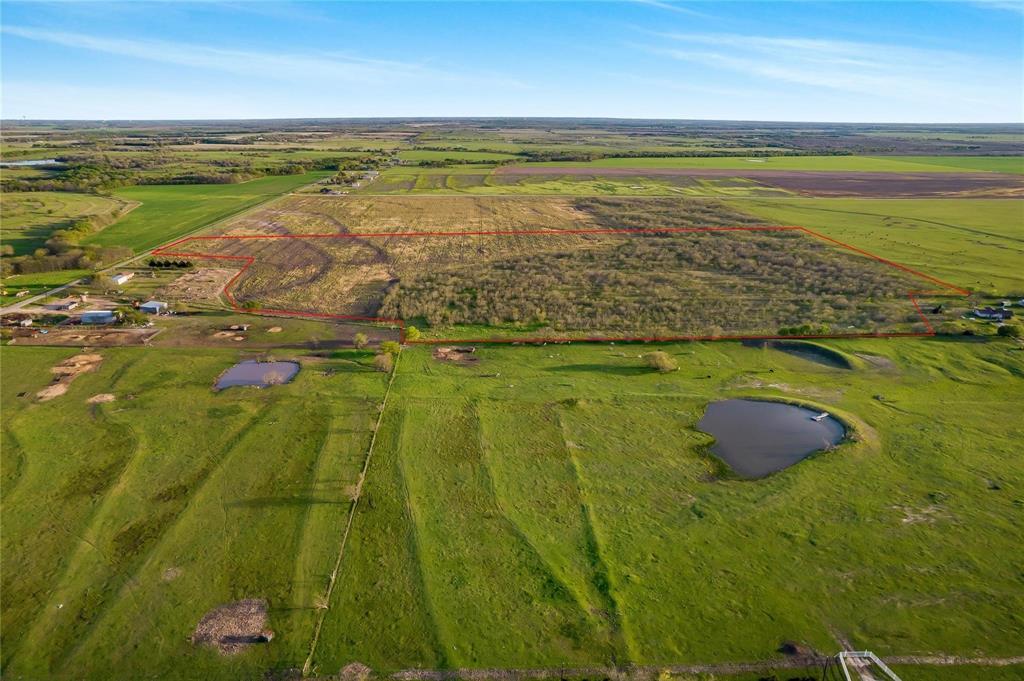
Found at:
(248, 260)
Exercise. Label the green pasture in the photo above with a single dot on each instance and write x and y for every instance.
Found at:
(37, 282)
(125, 522)
(547, 506)
(551, 506)
(28, 218)
(170, 211)
(887, 164)
(973, 243)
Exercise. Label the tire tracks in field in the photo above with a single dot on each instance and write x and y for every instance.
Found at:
(549, 569)
(603, 583)
(416, 547)
(200, 481)
(442, 659)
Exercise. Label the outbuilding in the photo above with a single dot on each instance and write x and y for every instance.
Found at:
(122, 277)
(993, 313)
(153, 307)
(66, 305)
(98, 317)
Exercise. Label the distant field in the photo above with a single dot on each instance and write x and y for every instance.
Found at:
(978, 244)
(476, 156)
(28, 218)
(894, 164)
(546, 506)
(37, 283)
(169, 211)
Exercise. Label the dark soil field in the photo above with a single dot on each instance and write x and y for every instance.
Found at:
(863, 184)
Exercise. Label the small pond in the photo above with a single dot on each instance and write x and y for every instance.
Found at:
(758, 438)
(807, 351)
(35, 162)
(260, 374)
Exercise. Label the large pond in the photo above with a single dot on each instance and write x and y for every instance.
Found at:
(759, 438)
(260, 374)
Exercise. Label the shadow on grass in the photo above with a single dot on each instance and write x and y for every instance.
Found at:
(267, 502)
(603, 369)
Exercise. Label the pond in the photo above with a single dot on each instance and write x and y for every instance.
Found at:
(757, 438)
(35, 162)
(259, 374)
(808, 351)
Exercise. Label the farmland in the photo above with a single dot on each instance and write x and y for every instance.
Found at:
(168, 212)
(461, 507)
(538, 583)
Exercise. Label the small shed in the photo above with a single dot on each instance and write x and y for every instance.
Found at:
(66, 305)
(98, 317)
(122, 277)
(153, 307)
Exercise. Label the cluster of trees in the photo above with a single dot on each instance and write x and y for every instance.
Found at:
(699, 284)
(63, 250)
(180, 264)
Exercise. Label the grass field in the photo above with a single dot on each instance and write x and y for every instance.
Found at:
(548, 506)
(29, 218)
(170, 211)
(888, 164)
(248, 505)
(977, 244)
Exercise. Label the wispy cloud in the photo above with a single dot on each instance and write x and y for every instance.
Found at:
(877, 70)
(325, 66)
(1007, 5)
(671, 7)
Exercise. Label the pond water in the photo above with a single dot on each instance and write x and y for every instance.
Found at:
(261, 374)
(807, 351)
(36, 162)
(758, 438)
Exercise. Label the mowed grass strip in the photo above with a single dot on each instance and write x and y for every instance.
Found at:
(974, 243)
(170, 211)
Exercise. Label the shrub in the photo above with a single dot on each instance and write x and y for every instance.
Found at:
(412, 333)
(390, 347)
(1010, 331)
(384, 362)
(661, 361)
(360, 340)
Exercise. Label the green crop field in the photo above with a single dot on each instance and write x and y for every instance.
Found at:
(977, 244)
(170, 211)
(546, 506)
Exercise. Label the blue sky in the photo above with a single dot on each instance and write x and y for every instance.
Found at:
(830, 61)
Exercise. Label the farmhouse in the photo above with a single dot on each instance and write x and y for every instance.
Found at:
(98, 317)
(153, 307)
(993, 313)
(122, 277)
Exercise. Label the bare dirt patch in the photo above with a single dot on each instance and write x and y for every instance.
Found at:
(101, 398)
(355, 671)
(233, 627)
(202, 285)
(275, 329)
(66, 372)
(171, 574)
(74, 337)
(456, 355)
